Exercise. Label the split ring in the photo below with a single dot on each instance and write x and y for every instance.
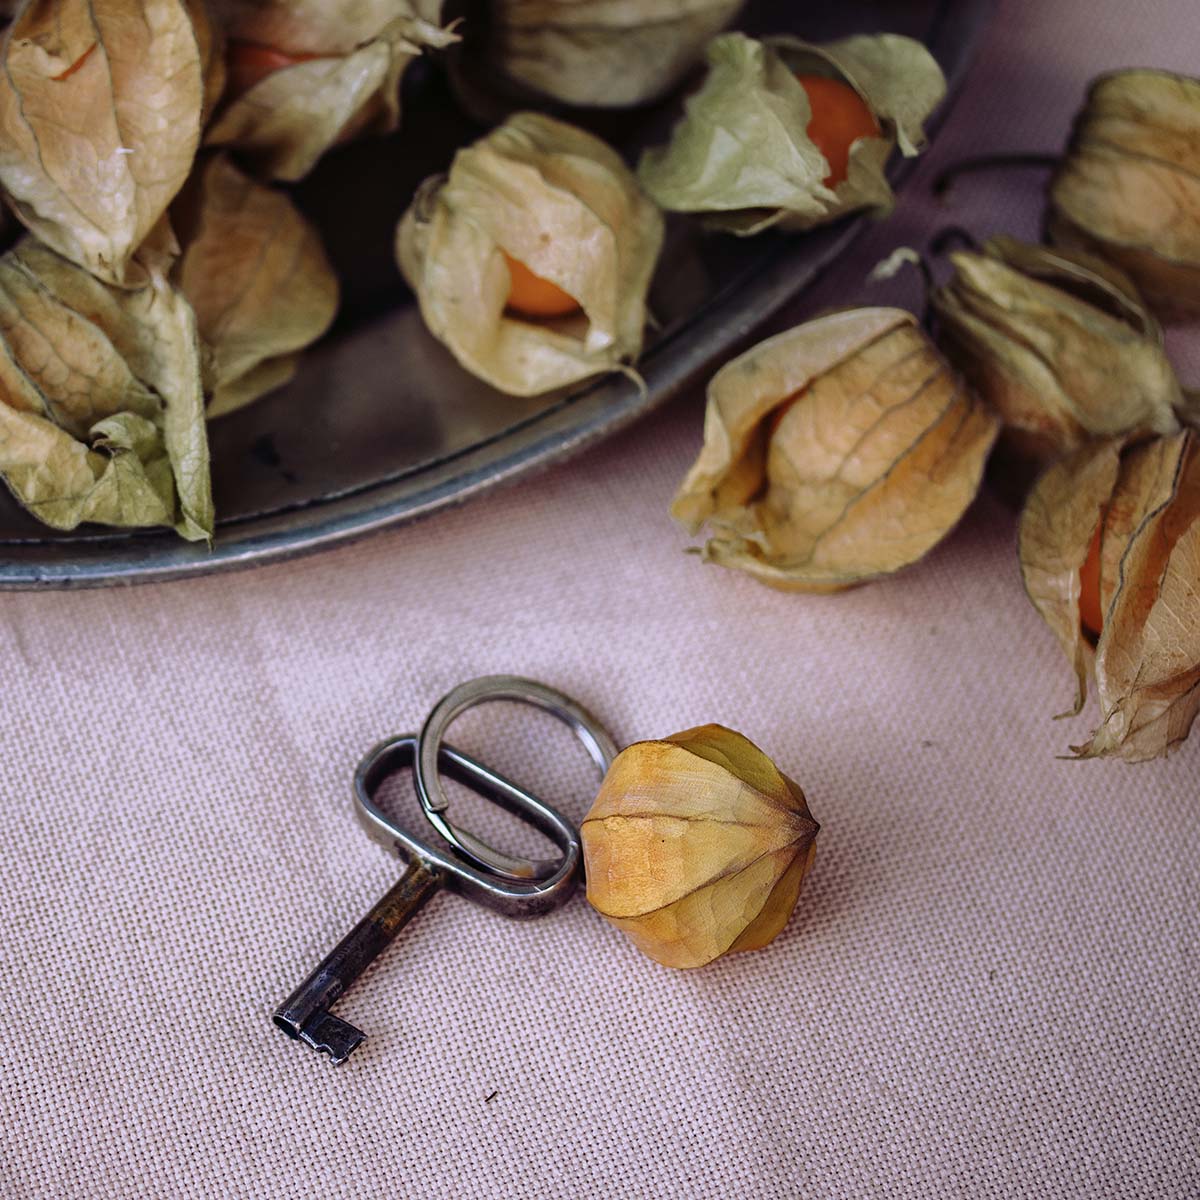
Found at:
(434, 801)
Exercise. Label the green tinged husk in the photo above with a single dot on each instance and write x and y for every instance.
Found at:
(741, 155)
(1144, 499)
(1128, 187)
(101, 408)
(256, 276)
(563, 203)
(315, 26)
(1058, 343)
(349, 88)
(605, 53)
(836, 453)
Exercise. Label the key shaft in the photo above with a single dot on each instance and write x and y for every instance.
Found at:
(305, 1013)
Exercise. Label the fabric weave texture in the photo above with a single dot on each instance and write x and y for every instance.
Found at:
(990, 986)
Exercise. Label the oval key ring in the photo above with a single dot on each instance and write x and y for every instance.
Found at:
(434, 801)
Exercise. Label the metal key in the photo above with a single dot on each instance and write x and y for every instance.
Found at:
(305, 1013)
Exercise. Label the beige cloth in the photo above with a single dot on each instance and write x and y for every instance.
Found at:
(990, 989)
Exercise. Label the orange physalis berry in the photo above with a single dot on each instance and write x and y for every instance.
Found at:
(532, 296)
(839, 118)
(250, 63)
(1091, 615)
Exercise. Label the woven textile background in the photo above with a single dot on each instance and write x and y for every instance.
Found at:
(989, 990)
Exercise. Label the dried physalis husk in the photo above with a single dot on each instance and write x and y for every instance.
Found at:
(1110, 552)
(606, 53)
(743, 155)
(210, 40)
(697, 846)
(1128, 187)
(1189, 408)
(306, 76)
(101, 105)
(835, 453)
(532, 258)
(1058, 343)
(255, 273)
(101, 408)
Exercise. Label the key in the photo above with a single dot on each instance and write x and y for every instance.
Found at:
(305, 1015)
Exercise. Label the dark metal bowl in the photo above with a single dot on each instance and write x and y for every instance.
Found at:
(381, 425)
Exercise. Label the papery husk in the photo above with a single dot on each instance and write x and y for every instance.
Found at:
(1058, 523)
(877, 453)
(1058, 344)
(210, 41)
(697, 846)
(256, 276)
(742, 155)
(101, 408)
(316, 26)
(1188, 411)
(600, 53)
(101, 103)
(283, 125)
(1145, 498)
(563, 203)
(1128, 187)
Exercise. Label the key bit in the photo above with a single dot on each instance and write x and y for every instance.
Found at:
(337, 1038)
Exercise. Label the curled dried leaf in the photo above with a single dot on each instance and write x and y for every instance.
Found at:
(257, 278)
(306, 77)
(123, 479)
(1135, 511)
(101, 411)
(744, 155)
(1128, 187)
(835, 453)
(605, 53)
(696, 846)
(100, 116)
(1058, 344)
(542, 203)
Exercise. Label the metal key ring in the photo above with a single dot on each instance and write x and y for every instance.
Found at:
(434, 801)
(513, 898)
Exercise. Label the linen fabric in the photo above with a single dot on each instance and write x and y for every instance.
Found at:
(990, 986)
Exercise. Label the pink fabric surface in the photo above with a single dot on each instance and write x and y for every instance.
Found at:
(990, 986)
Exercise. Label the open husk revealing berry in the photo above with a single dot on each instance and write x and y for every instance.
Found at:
(696, 846)
(531, 259)
(1110, 554)
(305, 75)
(1128, 187)
(1058, 343)
(789, 135)
(835, 453)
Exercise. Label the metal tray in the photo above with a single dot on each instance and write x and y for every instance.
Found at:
(381, 425)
